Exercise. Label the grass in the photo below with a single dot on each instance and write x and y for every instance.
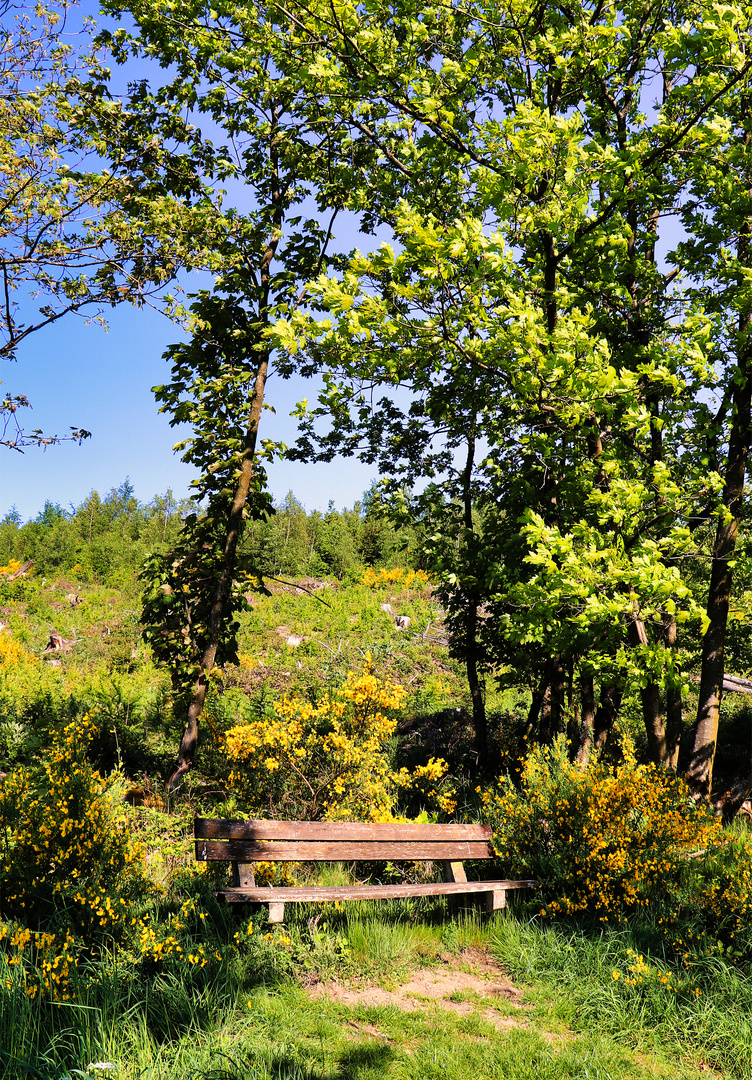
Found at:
(572, 972)
(252, 1018)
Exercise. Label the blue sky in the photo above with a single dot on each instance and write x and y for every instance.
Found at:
(79, 374)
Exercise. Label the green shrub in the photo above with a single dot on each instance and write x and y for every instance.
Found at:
(62, 841)
(601, 839)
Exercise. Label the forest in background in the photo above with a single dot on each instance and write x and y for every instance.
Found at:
(105, 541)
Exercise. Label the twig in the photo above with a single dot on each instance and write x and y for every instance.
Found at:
(331, 650)
(292, 585)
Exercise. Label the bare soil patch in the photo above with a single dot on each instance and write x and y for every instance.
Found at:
(470, 983)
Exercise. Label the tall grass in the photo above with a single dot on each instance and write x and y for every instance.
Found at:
(583, 969)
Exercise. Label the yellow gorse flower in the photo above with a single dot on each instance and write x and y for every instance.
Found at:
(602, 838)
(376, 579)
(65, 846)
(328, 759)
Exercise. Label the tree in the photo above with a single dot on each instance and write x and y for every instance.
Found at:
(539, 367)
(718, 253)
(275, 146)
(517, 143)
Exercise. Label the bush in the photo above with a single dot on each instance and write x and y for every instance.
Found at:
(328, 760)
(725, 895)
(63, 847)
(375, 579)
(600, 839)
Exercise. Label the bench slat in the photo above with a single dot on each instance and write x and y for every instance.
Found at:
(347, 851)
(300, 894)
(230, 829)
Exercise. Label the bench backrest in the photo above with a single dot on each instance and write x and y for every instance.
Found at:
(335, 841)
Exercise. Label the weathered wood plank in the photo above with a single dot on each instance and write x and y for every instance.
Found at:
(346, 851)
(454, 871)
(298, 894)
(494, 901)
(231, 829)
(276, 913)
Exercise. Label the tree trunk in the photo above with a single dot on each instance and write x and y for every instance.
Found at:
(587, 720)
(650, 695)
(705, 733)
(235, 521)
(189, 741)
(480, 722)
(536, 704)
(674, 718)
(552, 710)
(545, 726)
(606, 713)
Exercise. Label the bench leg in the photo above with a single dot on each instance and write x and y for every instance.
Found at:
(276, 912)
(494, 900)
(242, 874)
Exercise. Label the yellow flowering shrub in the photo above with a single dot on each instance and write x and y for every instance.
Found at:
(14, 655)
(328, 760)
(648, 977)
(179, 936)
(603, 839)
(426, 781)
(62, 839)
(376, 579)
(725, 892)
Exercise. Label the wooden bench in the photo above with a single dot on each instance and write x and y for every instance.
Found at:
(244, 842)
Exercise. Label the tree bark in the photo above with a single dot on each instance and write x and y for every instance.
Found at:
(536, 704)
(480, 722)
(705, 733)
(606, 713)
(674, 717)
(552, 709)
(650, 695)
(189, 741)
(587, 720)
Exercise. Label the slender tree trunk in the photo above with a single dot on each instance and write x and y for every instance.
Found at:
(661, 748)
(545, 727)
(587, 720)
(606, 713)
(480, 722)
(552, 710)
(650, 695)
(558, 688)
(705, 732)
(235, 520)
(536, 704)
(674, 717)
(189, 741)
